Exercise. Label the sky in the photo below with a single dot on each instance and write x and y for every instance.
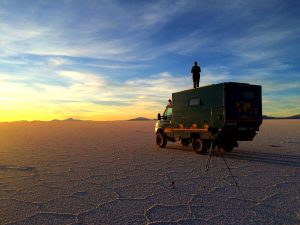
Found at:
(115, 60)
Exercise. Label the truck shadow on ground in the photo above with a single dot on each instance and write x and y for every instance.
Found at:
(29, 169)
(180, 148)
(261, 157)
(265, 157)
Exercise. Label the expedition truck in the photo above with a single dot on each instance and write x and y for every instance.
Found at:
(223, 113)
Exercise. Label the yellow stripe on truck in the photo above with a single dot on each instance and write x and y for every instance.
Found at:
(168, 130)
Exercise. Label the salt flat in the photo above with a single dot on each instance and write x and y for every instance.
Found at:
(113, 173)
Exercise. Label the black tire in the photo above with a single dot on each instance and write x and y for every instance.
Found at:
(185, 141)
(199, 146)
(161, 140)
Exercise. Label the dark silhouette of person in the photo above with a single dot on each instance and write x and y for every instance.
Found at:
(196, 74)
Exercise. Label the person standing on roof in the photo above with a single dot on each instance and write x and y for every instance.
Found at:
(196, 74)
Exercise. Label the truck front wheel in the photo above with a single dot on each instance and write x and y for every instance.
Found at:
(199, 146)
(161, 140)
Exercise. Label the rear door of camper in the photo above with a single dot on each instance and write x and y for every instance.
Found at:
(243, 102)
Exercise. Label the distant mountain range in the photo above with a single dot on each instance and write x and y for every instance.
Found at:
(139, 119)
(264, 117)
(69, 120)
(288, 117)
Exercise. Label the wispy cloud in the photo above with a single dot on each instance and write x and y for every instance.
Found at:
(58, 61)
(280, 106)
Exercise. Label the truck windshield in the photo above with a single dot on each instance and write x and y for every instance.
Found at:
(168, 112)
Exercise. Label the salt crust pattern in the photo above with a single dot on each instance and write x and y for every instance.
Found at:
(112, 173)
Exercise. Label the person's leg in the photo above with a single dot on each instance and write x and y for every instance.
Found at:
(194, 81)
(197, 82)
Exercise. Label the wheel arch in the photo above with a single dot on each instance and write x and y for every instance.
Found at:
(194, 135)
(160, 130)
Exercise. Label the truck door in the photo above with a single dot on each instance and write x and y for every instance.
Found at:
(217, 116)
(166, 121)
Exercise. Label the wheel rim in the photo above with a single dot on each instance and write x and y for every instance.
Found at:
(197, 145)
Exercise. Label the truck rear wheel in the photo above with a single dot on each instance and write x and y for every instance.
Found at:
(161, 140)
(199, 146)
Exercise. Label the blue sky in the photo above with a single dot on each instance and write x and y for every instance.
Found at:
(111, 59)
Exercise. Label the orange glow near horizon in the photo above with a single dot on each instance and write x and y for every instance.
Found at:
(30, 111)
(89, 98)
(87, 111)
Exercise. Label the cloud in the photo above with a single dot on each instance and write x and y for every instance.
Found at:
(58, 61)
(126, 36)
(93, 96)
(281, 106)
(189, 43)
(86, 79)
(110, 56)
(137, 95)
(156, 14)
(61, 37)
(260, 45)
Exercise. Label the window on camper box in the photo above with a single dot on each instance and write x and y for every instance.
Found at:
(248, 95)
(194, 102)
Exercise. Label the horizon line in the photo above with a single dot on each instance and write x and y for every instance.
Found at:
(132, 119)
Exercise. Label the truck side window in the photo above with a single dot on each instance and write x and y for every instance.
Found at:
(194, 102)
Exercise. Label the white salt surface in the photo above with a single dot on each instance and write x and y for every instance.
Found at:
(113, 173)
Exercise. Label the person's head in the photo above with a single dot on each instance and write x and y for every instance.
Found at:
(195, 63)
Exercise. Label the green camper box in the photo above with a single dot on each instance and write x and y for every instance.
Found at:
(230, 111)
